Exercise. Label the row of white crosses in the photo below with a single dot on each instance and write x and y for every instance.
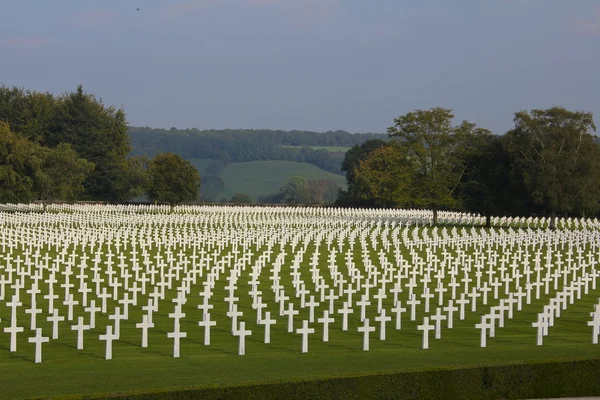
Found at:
(198, 249)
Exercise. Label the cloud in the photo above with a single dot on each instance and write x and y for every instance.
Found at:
(24, 42)
(590, 26)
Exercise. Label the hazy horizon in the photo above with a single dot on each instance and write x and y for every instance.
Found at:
(315, 65)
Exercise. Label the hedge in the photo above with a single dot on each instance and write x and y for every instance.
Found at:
(515, 381)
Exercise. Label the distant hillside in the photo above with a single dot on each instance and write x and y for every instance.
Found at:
(250, 145)
(254, 162)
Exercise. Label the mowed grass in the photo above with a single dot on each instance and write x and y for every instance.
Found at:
(259, 178)
(66, 370)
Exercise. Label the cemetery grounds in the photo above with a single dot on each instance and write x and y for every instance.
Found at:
(528, 293)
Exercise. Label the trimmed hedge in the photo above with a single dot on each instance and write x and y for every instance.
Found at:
(517, 381)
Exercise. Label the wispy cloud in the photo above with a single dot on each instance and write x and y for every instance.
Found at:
(24, 42)
(589, 26)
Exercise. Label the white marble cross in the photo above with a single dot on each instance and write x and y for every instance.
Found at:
(242, 333)
(305, 331)
(366, 330)
(326, 320)
(484, 325)
(382, 318)
(144, 326)
(109, 337)
(80, 328)
(426, 327)
(267, 322)
(38, 339)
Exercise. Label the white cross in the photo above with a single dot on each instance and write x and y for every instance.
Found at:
(13, 329)
(398, 310)
(267, 322)
(438, 317)
(345, 310)
(326, 320)
(144, 326)
(450, 309)
(595, 324)
(80, 328)
(176, 335)
(311, 304)
(242, 333)
(55, 319)
(234, 314)
(290, 312)
(484, 325)
(366, 330)
(38, 339)
(92, 309)
(426, 327)
(413, 302)
(541, 324)
(109, 337)
(305, 331)
(363, 303)
(382, 319)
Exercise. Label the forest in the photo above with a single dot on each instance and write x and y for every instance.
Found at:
(73, 147)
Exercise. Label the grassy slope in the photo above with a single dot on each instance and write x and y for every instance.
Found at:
(258, 178)
(67, 371)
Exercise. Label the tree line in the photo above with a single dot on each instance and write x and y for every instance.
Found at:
(73, 147)
(243, 145)
(548, 163)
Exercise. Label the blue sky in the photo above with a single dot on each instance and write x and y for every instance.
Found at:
(307, 64)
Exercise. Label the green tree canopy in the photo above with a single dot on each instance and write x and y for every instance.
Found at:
(172, 179)
(385, 177)
(437, 151)
(61, 173)
(18, 164)
(296, 191)
(555, 154)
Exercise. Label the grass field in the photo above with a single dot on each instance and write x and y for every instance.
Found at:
(259, 178)
(67, 371)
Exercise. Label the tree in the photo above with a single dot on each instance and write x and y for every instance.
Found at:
(240, 198)
(18, 164)
(296, 191)
(323, 191)
(434, 147)
(352, 160)
(61, 174)
(556, 156)
(385, 177)
(172, 179)
(98, 134)
(486, 186)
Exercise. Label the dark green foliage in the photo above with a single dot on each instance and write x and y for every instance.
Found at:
(212, 185)
(19, 160)
(555, 155)
(518, 381)
(171, 179)
(96, 132)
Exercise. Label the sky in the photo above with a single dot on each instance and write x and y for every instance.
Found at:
(316, 65)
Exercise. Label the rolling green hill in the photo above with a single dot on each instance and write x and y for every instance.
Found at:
(257, 178)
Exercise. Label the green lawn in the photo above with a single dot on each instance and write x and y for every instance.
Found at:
(259, 178)
(66, 371)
